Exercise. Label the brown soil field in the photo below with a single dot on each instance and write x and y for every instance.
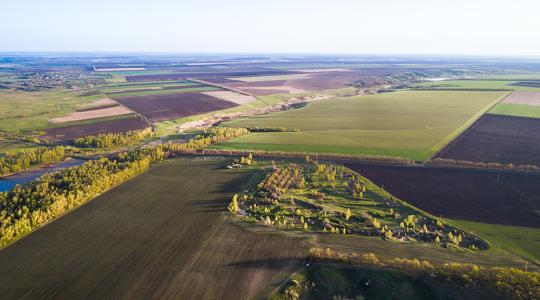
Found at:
(172, 106)
(500, 139)
(231, 96)
(69, 132)
(313, 82)
(522, 97)
(162, 235)
(92, 114)
(506, 198)
(216, 74)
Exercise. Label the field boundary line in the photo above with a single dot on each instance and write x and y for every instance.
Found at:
(458, 132)
(220, 86)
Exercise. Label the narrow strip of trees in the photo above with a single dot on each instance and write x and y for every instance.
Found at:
(13, 163)
(108, 140)
(509, 283)
(32, 205)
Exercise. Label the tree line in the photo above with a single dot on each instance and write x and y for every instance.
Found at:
(12, 163)
(34, 204)
(108, 140)
(509, 283)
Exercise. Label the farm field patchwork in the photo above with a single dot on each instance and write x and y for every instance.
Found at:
(160, 235)
(411, 124)
(69, 131)
(485, 198)
(173, 106)
(499, 139)
(298, 83)
(478, 84)
(520, 104)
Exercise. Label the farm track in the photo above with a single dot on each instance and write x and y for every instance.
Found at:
(161, 235)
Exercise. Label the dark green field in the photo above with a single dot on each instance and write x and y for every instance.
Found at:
(160, 235)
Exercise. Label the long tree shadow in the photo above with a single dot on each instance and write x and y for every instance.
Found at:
(268, 263)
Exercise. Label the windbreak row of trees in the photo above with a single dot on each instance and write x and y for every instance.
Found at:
(207, 138)
(108, 140)
(32, 205)
(13, 163)
(507, 283)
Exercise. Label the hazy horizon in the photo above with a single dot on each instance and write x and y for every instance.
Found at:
(417, 27)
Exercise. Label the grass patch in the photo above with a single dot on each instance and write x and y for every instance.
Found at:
(524, 241)
(518, 110)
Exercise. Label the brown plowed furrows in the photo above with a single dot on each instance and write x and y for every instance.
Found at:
(207, 75)
(484, 196)
(314, 82)
(172, 106)
(69, 132)
(499, 139)
(161, 235)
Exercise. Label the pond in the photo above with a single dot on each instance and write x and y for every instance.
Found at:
(8, 183)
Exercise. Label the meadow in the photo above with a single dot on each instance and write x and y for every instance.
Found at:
(518, 110)
(410, 124)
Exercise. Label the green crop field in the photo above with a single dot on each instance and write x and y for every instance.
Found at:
(476, 84)
(161, 235)
(518, 110)
(411, 124)
(27, 111)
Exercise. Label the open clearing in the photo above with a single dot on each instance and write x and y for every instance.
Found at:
(473, 196)
(173, 106)
(412, 124)
(92, 114)
(161, 235)
(500, 139)
(231, 96)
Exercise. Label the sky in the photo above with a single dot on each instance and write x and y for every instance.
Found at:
(472, 27)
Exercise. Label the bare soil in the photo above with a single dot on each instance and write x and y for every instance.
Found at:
(506, 198)
(162, 235)
(500, 139)
(172, 106)
(523, 97)
(69, 132)
(92, 114)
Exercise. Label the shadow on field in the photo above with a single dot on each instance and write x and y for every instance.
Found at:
(268, 263)
(209, 205)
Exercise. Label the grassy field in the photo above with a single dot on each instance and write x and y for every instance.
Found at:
(161, 235)
(167, 127)
(522, 240)
(27, 111)
(476, 84)
(411, 124)
(518, 110)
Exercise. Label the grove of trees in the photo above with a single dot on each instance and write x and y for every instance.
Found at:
(108, 140)
(12, 163)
